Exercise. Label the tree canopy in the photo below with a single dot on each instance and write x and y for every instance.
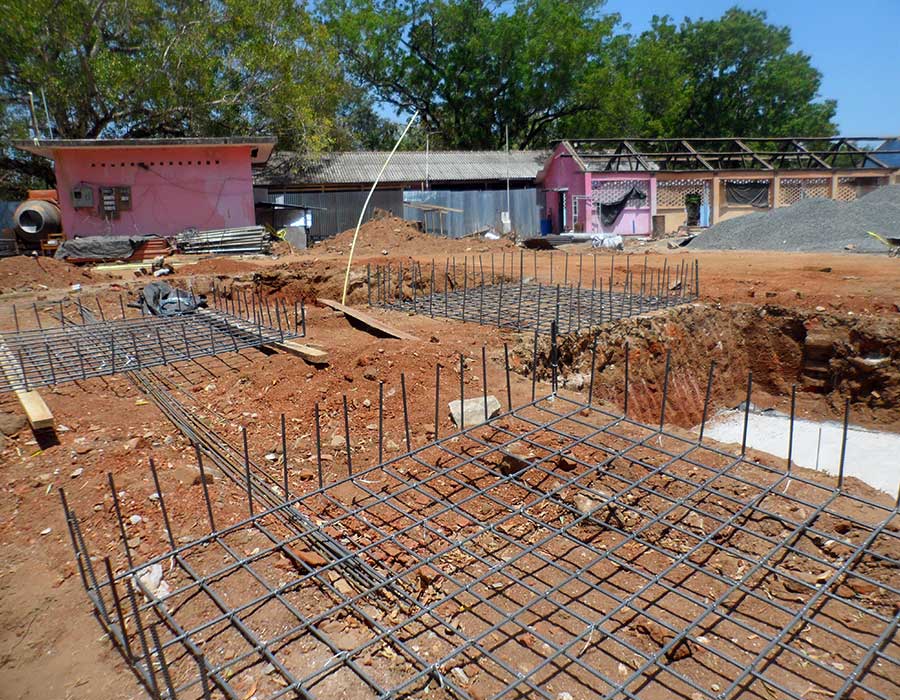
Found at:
(139, 68)
(732, 76)
(332, 74)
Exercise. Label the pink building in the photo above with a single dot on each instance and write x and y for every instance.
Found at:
(584, 195)
(126, 187)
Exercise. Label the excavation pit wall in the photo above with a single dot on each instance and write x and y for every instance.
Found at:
(828, 358)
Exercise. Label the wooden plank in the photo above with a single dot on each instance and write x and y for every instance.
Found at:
(313, 355)
(368, 320)
(36, 410)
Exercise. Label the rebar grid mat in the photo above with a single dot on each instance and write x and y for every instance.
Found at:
(507, 299)
(76, 341)
(557, 548)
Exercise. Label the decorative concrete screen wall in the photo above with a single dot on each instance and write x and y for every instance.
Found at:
(636, 217)
(793, 189)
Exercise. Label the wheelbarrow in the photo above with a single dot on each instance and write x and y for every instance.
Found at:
(893, 244)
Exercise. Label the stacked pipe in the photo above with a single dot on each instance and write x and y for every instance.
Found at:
(225, 241)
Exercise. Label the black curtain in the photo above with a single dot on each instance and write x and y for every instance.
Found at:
(755, 194)
(612, 210)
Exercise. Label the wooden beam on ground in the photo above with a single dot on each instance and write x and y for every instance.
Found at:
(313, 355)
(36, 410)
(368, 320)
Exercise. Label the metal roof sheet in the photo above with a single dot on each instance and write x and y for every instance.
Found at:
(362, 167)
(47, 147)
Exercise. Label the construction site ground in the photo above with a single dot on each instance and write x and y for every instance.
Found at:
(747, 318)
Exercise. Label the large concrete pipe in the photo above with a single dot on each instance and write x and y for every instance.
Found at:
(35, 218)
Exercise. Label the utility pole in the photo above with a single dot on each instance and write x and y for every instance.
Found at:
(507, 168)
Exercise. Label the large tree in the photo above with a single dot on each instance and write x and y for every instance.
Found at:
(138, 68)
(473, 67)
(733, 76)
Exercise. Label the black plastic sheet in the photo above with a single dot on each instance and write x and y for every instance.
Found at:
(756, 194)
(611, 211)
(161, 299)
(100, 247)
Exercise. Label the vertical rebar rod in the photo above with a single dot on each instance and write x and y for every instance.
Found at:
(318, 445)
(380, 422)
(709, 381)
(790, 451)
(162, 504)
(247, 470)
(209, 510)
(508, 385)
(840, 483)
(284, 457)
(484, 380)
(437, 401)
(746, 413)
(665, 391)
(462, 397)
(405, 411)
(347, 437)
(117, 509)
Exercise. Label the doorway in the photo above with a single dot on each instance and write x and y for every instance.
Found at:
(563, 213)
(692, 209)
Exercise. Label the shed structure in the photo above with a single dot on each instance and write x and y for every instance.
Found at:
(161, 186)
(472, 183)
(645, 186)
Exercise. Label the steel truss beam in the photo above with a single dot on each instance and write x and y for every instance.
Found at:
(755, 153)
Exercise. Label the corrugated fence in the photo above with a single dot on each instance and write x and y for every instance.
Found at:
(341, 209)
(480, 209)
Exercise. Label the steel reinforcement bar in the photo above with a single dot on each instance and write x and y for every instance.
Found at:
(560, 547)
(505, 297)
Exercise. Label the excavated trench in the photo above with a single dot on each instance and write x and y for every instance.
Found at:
(828, 358)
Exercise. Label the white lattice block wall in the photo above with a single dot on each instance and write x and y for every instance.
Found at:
(793, 189)
(670, 194)
(607, 191)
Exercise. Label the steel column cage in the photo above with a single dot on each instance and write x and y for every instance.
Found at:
(560, 547)
(76, 341)
(505, 298)
(753, 153)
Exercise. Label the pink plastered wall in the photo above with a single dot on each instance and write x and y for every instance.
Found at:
(204, 187)
(637, 221)
(562, 172)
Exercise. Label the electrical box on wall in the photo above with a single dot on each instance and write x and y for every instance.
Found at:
(123, 198)
(82, 197)
(108, 205)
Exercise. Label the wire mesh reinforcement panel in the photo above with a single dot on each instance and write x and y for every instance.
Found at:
(526, 305)
(73, 351)
(555, 549)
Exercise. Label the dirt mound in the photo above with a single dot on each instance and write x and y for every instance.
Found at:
(22, 273)
(397, 235)
(218, 266)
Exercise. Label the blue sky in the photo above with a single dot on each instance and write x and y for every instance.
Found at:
(855, 44)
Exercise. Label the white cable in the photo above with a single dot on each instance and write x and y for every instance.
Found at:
(365, 206)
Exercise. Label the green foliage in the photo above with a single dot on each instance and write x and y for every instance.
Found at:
(732, 76)
(543, 68)
(473, 67)
(138, 68)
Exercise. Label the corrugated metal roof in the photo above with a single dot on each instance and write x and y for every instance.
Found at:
(361, 167)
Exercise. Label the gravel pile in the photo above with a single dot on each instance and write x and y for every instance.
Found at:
(811, 225)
